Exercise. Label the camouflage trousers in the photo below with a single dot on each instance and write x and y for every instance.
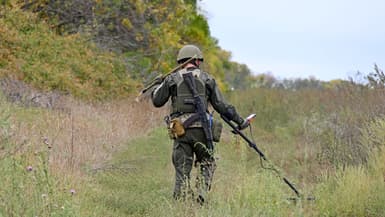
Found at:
(191, 145)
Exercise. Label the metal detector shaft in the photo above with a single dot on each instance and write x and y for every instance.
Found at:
(254, 146)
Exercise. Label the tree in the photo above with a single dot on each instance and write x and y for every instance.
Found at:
(376, 79)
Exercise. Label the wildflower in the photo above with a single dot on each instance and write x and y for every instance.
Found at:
(72, 191)
(45, 141)
(29, 168)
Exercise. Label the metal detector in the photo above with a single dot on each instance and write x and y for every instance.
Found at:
(252, 145)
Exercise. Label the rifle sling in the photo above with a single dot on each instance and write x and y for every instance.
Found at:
(193, 118)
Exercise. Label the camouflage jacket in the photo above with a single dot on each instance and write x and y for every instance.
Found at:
(169, 88)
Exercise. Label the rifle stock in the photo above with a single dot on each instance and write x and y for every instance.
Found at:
(160, 79)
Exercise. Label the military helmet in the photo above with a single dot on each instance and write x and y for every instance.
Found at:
(188, 51)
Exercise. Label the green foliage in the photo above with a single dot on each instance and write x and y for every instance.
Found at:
(4, 2)
(353, 191)
(373, 136)
(198, 29)
(270, 106)
(70, 64)
(269, 81)
(139, 182)
(331, 119)
(148, 33)
(241, 78)
(338, 129)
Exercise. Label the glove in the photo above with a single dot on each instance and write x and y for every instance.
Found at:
(243, 125)
(158, 80)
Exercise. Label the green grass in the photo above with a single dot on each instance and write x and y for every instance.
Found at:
(140, 183)
(138, 180)
(29, 189)
(354, 192)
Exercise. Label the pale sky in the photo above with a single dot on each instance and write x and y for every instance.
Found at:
(327, 39)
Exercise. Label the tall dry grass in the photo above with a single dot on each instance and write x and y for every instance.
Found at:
(82, 135)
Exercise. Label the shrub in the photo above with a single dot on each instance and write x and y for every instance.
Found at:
(69, 64)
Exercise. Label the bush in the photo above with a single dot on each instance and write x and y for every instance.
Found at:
(69, 64)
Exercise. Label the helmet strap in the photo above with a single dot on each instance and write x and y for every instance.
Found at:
(196, 62)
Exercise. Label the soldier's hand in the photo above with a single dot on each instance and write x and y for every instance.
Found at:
(244, 124)
(158, 80)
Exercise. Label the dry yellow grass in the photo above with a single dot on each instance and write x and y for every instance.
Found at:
(82, 135)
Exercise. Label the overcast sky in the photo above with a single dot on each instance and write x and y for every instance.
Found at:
(327, 39)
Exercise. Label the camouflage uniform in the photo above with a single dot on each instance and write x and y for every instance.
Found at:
(194, 140)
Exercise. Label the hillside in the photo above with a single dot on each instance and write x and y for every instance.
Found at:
(31, 52)
(111, 51)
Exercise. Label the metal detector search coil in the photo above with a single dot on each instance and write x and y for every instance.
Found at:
(250, 117)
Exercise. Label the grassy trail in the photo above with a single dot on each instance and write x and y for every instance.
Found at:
(136, 178)
(139, 182)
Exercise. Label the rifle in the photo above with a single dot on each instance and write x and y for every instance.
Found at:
(160, 78)
(200, 109)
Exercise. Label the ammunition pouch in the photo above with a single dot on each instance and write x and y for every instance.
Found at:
(175, 128)
(216, 130)
(178, 125)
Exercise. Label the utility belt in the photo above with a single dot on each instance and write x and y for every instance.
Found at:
(178, 123)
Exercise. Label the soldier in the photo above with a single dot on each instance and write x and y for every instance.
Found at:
(191, 134)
